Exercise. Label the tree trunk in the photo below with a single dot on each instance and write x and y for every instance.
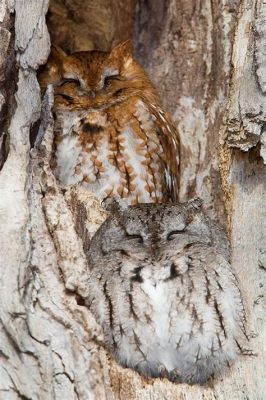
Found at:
(208, 60)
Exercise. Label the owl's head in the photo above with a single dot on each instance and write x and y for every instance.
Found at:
(150, 229)
(94, 78)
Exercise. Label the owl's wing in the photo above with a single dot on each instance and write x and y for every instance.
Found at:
(169, 140)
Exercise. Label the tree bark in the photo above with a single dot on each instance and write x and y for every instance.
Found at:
(207, 58)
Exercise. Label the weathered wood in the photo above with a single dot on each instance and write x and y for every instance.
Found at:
(8, 73)
(208, 60)
(189, 60)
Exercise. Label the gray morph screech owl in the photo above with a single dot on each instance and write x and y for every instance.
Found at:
(164, 292)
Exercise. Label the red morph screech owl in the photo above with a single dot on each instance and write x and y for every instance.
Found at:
(111, 135)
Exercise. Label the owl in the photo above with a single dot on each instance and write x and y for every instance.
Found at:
(163, 290)
(111, 135)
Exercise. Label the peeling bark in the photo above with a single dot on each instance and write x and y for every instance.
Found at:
(207, 58)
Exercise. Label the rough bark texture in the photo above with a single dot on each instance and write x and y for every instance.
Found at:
(8, 72)
(189, 60)
(207, 58)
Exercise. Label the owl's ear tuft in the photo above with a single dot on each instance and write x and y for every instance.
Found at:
(195, 204)
(57, 53)
(123, 50)
(51, 73)
(117, 205)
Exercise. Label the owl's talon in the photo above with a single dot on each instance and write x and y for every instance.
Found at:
(174, 375)
(163, 373)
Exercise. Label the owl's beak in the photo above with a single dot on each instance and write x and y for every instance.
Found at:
(89, 93)
(92, 94)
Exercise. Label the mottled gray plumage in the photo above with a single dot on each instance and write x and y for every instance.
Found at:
(164, 292)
